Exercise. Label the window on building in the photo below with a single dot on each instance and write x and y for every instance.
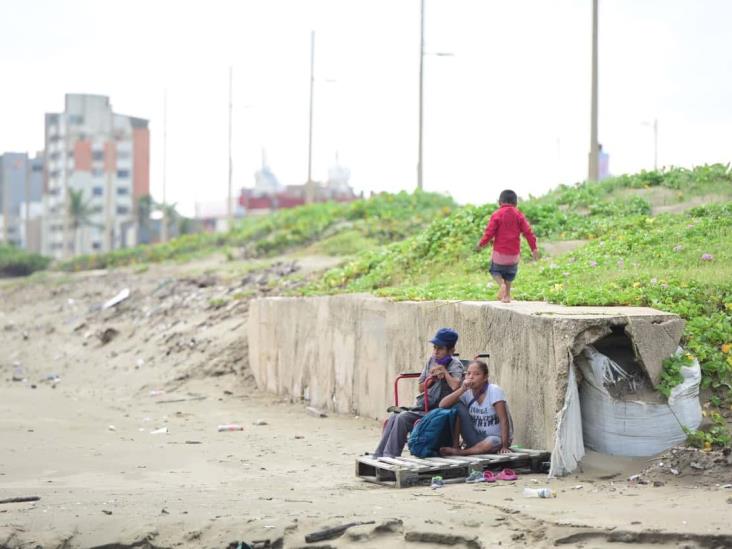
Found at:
(96, 172)
(97, 155)
(123, 155)
(76, 119)
(97, 245)
(123, 174)
(97, 191)
(37, 168)
(123, 210)
(123, 191)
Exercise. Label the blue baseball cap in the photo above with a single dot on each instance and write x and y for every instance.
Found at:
(445, 337)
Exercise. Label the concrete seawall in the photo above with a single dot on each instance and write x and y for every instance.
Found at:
(344, 352)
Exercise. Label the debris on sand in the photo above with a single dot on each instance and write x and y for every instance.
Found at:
(116, 300)
(107, 335)
(705, 468)
(21, 499)
(332, 533)
(315, 412)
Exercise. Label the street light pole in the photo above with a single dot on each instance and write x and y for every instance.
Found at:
(229, 212)
(309, 190)
(164, 220)
(421, 97)
(654, 126)
(593, 174)
(655, 144)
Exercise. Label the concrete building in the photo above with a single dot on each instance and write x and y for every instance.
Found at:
(21, 191)
(103, 155)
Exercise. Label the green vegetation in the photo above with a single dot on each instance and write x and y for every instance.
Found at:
(681, 263)
(17, 262)
(717, 435)
(377, 220)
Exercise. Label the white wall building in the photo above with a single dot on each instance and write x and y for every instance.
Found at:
(106, 157)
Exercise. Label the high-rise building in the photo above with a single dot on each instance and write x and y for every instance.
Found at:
(21, 189)
(97, 168)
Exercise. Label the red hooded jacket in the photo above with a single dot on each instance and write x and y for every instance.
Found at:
(506, 225)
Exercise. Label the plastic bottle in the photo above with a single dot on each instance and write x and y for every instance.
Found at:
(539, 493)
(230, 427)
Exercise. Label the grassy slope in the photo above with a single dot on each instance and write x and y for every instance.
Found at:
(347, 228)
(631, 258)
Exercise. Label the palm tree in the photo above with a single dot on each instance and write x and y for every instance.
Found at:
(79, 213)
(170, 217)
(144, 207)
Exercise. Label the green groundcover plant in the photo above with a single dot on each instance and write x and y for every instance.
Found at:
(17, 262)
(382, 218)
(681, 263)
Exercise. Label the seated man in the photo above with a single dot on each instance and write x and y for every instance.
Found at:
(447, 372)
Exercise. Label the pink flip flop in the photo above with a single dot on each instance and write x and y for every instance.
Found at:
(507, 474)
(488, 476)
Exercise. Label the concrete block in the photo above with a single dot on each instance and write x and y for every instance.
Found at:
(342, 353)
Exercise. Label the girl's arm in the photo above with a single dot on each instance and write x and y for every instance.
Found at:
(452, 399)
(500, 407)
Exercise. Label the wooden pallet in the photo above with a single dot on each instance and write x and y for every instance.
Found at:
(406, 471)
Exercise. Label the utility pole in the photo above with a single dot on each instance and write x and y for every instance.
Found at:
(594, 165)
(66, 198)
(164, 220)
(110, 197)
(421, 97)
(229, 212)
(27, 193)
(5, 196)
(310, 186)
(655, 144)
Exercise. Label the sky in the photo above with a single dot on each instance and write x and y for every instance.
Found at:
(509, 107)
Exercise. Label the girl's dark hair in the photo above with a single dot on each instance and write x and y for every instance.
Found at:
(482, 365)
(508, 197)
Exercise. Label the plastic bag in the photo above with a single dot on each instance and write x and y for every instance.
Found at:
(629, 427)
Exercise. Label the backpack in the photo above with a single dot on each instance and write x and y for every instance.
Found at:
(434, 430)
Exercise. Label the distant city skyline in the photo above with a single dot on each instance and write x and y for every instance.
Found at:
(509, 108)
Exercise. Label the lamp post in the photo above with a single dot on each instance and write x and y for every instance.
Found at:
(654, 126)
(421, 97)
(422, 53)
(309, 189)
(164, 220)
(594, 164)
(229, 211)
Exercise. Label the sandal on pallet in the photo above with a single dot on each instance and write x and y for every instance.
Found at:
(507, 474)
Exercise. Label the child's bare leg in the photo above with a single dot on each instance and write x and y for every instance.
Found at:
(501, 286)
(507, 294)
(483, 447)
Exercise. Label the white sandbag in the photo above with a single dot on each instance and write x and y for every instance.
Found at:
(569, 447)
(633, 427)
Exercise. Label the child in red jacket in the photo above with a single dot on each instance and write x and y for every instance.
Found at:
(506, 226)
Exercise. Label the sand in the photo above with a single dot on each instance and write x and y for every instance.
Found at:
(82, 439)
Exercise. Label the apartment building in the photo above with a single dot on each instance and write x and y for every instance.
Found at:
(21, 190)
(97, 166)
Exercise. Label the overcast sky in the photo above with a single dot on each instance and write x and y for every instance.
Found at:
(510, 108)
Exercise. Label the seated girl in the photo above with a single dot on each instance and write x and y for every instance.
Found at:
(484, 421)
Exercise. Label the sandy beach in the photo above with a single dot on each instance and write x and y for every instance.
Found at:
(110, 415)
